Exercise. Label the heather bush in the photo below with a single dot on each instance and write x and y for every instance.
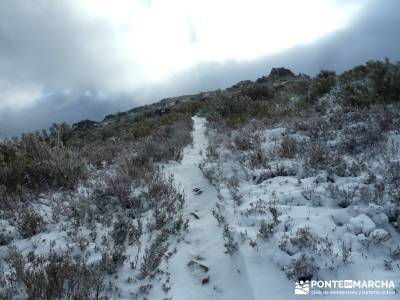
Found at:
(120, 187)
(37, 163)
(167, 142)
(356, 138)
(153, 256)
(318, 155)
(55, 277)
(289, 147)
(374, 82)
(343, 197)
(247, 138)
(266, 229)
(233, 187)
(323, 83)
(231, 246)
(302, 268)
(30, 222)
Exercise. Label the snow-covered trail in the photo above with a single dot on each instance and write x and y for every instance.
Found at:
(204, 242)
(248, 275)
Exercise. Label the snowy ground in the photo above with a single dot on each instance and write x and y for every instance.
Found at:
(254, 272)
(301, 223)
(247, 275)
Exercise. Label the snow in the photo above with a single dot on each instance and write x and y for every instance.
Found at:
(301, 204)
(201, 268)
(204, 242)
(248, 275)
(379, 235)
(362, 224)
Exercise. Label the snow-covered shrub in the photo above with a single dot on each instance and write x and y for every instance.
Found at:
(343, 196)
(103, 153)
(392, 175)
(9, 201)
(212, 152)
(166, 203)
(167, 142)
(233, 187)
(379, 235)
(119, 186)
(266, 229)
(318, 155)
(153, 256)
(135, 232)
(275, 170)
(57, 276)
(231, 246)
(360, 136)
(121, 229)
(259, 207)
(288, 147)
(5, 238)
(392, 179)
(39, 163)
(316, 127)
(138, 166)
(311, 195)
(30, 222)
(345, 251)
(323, 83)
(302, 268)
(112, 260)
(303, 239)
(383, 78)
(395, 253)
(247, 138)
(216, 212)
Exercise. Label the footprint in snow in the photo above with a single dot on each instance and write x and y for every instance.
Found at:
(197, 191)
(199, 270)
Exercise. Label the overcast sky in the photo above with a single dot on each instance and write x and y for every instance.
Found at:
(68, 60)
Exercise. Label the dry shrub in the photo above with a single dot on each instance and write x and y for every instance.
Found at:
(35, 163)
(392, 175)
(302, 268)
(318, 155)
(358, 137)
(103, 153)
(233, 187)
(124, 229)
(30, 223)
(248, 138)
(167, 142)
(120, 187)
(288, 147)
(166, 202)
(55, 277)
(231, 246)
(153, 256)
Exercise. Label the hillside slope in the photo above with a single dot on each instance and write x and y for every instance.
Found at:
(231, 194)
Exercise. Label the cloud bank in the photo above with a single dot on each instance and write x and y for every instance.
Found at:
(72, 60)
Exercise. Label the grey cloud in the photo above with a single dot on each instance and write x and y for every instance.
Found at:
(49, 43)
(34, 48)
(373, 35)
(60, 107)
